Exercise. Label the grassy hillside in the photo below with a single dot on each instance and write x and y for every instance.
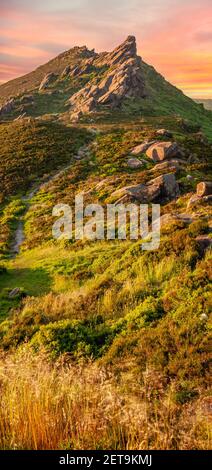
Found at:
(32, 80)
(114, 340)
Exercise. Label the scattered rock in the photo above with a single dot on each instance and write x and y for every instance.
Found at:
(47, 80)
(168, 219)
(204, 241)
(7, 107)
(196, 200)
(203, 317)
(141, 148)
(163, 150)
(164, 133)
(16, 292)
(204, 188)
(135, 163)
(167, 165)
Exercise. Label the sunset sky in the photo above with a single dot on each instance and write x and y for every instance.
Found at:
(173, 35)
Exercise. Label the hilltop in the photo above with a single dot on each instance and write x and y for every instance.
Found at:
(81, 85)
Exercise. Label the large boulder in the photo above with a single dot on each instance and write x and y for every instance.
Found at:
(163, 150)
(204, 188)
(167, 185)
(158, 189)
(142, 148)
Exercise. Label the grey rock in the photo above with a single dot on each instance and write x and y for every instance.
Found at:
(135, 163)
(14, 292)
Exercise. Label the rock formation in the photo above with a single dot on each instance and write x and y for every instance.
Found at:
(47, 80)
(7, 107)
(163, 150)
(122, 79)
(158, 189)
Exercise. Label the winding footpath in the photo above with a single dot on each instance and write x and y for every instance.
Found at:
(19, 235)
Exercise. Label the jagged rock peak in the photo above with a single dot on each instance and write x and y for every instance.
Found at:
(123, 79)
(126, 50)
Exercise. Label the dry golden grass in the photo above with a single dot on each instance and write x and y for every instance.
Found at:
(62, 405)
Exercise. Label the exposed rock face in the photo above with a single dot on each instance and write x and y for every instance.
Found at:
(48, 80)
(7, 107)
(164, 186)
(123, 79)
(66, 71)
(163, 150)
(26, 99)
(167, 185)
(142, 148)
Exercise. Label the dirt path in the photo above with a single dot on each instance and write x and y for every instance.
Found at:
(19, 236)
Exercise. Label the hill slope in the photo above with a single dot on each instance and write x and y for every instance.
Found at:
(81, 83)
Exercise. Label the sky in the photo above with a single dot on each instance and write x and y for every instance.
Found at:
(173, 35)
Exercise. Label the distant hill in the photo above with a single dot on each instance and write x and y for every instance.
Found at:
(207, 103)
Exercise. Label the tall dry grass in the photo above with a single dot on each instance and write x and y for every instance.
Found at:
(62, 405)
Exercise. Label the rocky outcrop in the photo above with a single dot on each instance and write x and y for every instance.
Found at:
(123, 79)
(142, 148)
(158, 189)
(47, 80)
(167, 185)
(7, 107)
(66, 71)
(163, 150)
